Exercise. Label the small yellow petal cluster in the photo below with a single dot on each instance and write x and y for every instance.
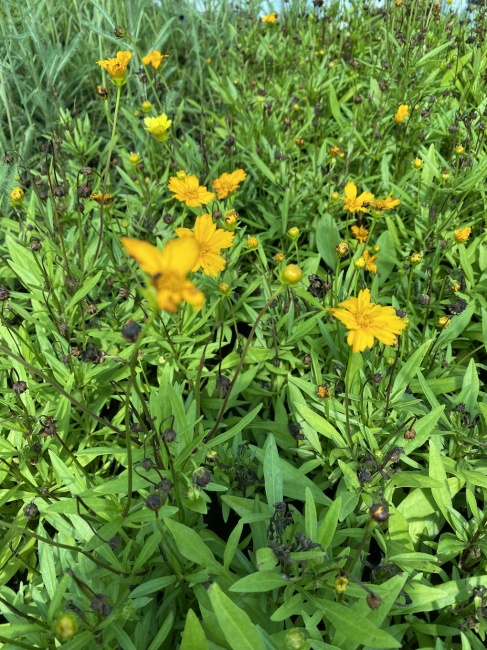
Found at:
(169, 269)
(228, 183)
(17, 194)
(253, 243)
(401, 114)
(360, 233)
(210, 241)
(341, 584)
(385, 204)
(154, 58)
(462, 234)
(334, 151)
(270, 18)
(444, 321)
(367, 321)
(187, 189)
(99, 197)
(158, 126)
(146, 106)
(369, 262)
(342, 249)
(299, 142)
(354, 203)
(117, 67)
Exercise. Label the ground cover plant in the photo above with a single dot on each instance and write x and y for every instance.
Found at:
(243, 326)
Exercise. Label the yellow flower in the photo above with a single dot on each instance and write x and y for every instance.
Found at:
(385, 204)
(228, 183)
(65, 627)
(402, 113)
(360, 233)
(354, 203)
(367, 321)
(102, 198)
(359, 263)
(210, 241)
(189, 191)
(17, 194)
(158, 126)
(369, 262)
(444, 321)
(334, 151)
(292, 274)
(253, 243)
(134, 158)
(461, 235)
(168, 270)
(335, 196)
(459, 149)
(323, 391)
(117, 67)
(341, 584)
(154, 58)
(415, 258)
(270, 18)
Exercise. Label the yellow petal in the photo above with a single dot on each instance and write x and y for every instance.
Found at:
(148, 257)
(351, 190)
(180, 256)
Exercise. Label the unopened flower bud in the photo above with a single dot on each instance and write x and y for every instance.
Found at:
(201, 477)
(444, 321)
(294, 232)
(373, 600)
(252, 243)
(342, 249)
(409, 434)
(379, 513)
(291, 274)
(415, 258)
(134, 158)
(65, 627)
(418, 163)
(31, 511)
(17, 194)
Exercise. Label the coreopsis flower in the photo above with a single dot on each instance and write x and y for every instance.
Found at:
(299, 142)
(401, 114)
(154, 58)
(117, 67)
(360, 233)
(168, 270)
(270, 18)
(253, 243)
(459, 149)
(385, 204)
(99, 197)
(187, 189)
(323, 391)
(279, 257)
(369, 262)
(158, 126)
(354, 203)
(444, 321)
(210, 241)
(334, 151)
(228, 183)
(367, 321)
(17, 194)
(462, 234)
(359, 263)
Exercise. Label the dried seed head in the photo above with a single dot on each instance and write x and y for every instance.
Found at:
(131, 331)
(147, 464)
(154, 502)
(202, 477)
(373, 600)
(100, 605)
(31, 511)
(169, 435)
(409, 434)
(19, 387)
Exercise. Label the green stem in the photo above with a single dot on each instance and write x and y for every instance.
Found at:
(105, 174)
(132, 382)
(347, 405)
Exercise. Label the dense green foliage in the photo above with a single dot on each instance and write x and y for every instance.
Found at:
(237, 477)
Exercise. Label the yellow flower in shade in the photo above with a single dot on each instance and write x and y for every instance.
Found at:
(360, 233)
(367, 321)
(102, 198)
(354, 203)
(65, 627)
(117, 67)
(270, 18)
(188, 190)
(17, 194)
(210, 241)
(385, 204)
(158, 126)
(168, 270)
(369, 262)
(401, 114)
(154, 58)
(231, 220)
(342, 249)
(444, 321)
(461, 235)
(228, 183)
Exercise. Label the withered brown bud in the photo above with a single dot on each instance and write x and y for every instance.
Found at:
(119, 32)
(147, 464)
(4, 294)
(115, 542)
(135, 427)
(409, 434)
(154, 502)
(100, 605)
(19, 387)
(131, 331)
(83, 191)
(123, 293)
(91, 309)
(59, 191)
(202, 477)
(168, 218)
(379, 513)
(164, 486)
(35, 246)
(8, 159)
(424, 299)
(307, 360)
(31, 511)
(222, 383)
(374, 601)
(295, 430)
(169, 435)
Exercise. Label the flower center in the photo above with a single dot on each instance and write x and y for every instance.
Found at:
(363, 320)
(169, 282)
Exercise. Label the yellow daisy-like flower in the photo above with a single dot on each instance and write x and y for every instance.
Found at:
(401, 114)
(354, 203)
(228, 183)
(154, 58)
(210, 241)
(367, 321)
(369, 262)
(385, 204)
(168, 270)
(158, 126)
(99, 197)
(270, 18)
(188, 190)
(360, 233)
(462, 234)
(117, 67)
